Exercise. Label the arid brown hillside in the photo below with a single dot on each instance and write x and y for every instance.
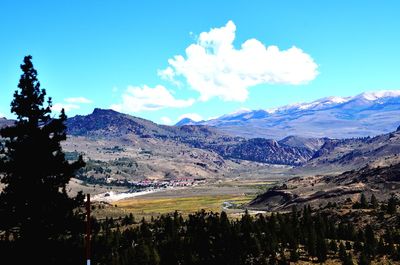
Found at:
(109, 124)
(383, 182)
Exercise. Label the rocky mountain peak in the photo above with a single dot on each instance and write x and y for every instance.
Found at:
(372, 113)
(185, 121)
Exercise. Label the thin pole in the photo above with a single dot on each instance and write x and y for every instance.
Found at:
(88, 229)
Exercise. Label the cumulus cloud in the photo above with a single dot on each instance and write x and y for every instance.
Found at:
(215, 68)
(71, 104)
(67, 107)
(166, 120)
(192, 116)
(79, 100)
(136, 99)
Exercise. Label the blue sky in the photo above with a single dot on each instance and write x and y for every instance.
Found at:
(115, 54)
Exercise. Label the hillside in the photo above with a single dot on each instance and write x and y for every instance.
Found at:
(383, 182)
(5, 122)
(338, 155)
(107, 134)
(126, 129)
(367, 114)
(119, 147)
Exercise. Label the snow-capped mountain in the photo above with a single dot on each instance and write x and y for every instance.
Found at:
(366, 114)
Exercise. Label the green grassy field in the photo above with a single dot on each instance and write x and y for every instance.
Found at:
(186, 205)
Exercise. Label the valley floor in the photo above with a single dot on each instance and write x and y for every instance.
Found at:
(228, 196)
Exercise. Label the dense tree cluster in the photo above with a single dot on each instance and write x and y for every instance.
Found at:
(212, 238)
(364, 204)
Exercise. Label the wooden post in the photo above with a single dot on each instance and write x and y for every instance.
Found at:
(88, 229)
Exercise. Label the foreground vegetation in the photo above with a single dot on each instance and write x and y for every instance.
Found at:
(39, 221)
(301, 236)
(304, 235)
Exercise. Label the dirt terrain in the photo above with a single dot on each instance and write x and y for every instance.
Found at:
(382, 182)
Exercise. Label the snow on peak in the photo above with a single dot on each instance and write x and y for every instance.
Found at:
(240, 111)
(235, 113)
(379, 94)
(337, 100)
(319, 104)
(323, 102)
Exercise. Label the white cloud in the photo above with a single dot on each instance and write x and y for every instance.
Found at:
(2, 115)
(71, 104)
(136, 99)
(192, 116)
(166, 120)
(214, 68)
(67, 107)
(78, 100)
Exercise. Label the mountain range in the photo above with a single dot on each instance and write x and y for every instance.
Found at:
(151, 150)
(120, 149)
(118, 129)
(112, 125)
(331, 155)
(5, 122)
(367, 114)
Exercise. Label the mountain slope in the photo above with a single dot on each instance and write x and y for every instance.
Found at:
(383, 182)
(5, 122)
(109, 124)
(346, 154)
(367, 114)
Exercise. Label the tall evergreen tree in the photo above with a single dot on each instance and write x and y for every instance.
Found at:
(373, 202)
(321, 249)
(34, 205)
(348, 260)
(333, 246)
(342, 252)
(363, 259)
(370, 241)
(392, 203)
(363, 201)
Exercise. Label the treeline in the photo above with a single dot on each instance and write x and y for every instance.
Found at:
(389, 208)
(212, 238)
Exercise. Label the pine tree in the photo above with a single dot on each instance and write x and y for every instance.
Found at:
(311, 243)
(348, 260)
(363, 259)
(370, 241)
(373, 202)
(363, 201)
(391, 207)
(381, 247)
(333, 246)
(294, 255)
(34, 205)
(342, 252)
(321, 249)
